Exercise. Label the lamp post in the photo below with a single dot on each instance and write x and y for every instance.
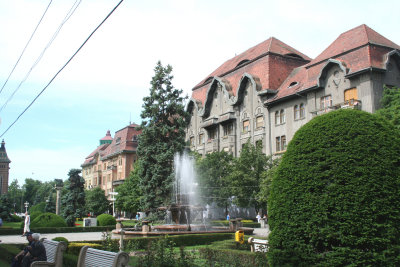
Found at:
(113, 200)
(26, 206)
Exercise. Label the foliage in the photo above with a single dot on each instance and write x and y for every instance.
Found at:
(48, 220)
(5, 208)
(48, 230)
(75, 248)
(61, 239)
(390, 106)
(38, 207)
(51, 203)
(335, 196)
(74, 200)
(96, 201)
(106, 219)
(108, 243)
(266, 181)
(163, 132)
(249, 169)
(129, 193)
(30, 188)
(15, 195)
(213, 173)
(15, 218)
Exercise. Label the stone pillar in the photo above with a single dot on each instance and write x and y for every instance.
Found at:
(58, 200)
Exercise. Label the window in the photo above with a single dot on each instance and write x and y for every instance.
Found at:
(246, 126)
(282, 116)
(134, 138)
(302, 111)
(280, 143)
(326, 102)
(212, 134)
(228, 129)
(201, 139)
(118, 140)
(192, 141)
(104, 166)
(120, 161)
(350, 95)
(259, 122)
(99, 179)
(296, 112)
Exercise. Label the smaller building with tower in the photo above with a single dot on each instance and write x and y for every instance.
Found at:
(4, 169)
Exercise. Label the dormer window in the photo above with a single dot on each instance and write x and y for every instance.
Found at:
(293, 84)
(118, 140)
(134, 138)
(244, 61)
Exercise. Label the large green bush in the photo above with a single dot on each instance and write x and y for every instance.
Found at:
(48, 220)
(335, 196)
(38, 207)
(106, 219)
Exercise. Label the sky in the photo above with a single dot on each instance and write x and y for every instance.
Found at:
(103, 86)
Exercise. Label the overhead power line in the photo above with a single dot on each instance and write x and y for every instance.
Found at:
(66, 18)
(23, 51)
(58, 72)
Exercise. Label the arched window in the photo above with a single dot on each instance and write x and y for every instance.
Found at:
(296, 111)
(302, 111)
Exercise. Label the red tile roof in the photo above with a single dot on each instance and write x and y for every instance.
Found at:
(107, 137)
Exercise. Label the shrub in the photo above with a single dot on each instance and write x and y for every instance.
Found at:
(33, 216)
(61, 239)
(335, 196)
(48, 220)
(106, 219)
(15, 218)
(38, 207)
(75, 248)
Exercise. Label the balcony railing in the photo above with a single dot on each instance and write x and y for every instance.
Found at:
(352, 103)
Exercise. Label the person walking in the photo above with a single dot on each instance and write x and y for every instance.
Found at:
(27, 223)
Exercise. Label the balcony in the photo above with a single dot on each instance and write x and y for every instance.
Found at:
(352, 103)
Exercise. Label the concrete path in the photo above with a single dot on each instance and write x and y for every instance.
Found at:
(85, 236)
(94, 236)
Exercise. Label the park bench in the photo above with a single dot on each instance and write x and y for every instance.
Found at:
(258, 245)
(90, 257)
(54, 253)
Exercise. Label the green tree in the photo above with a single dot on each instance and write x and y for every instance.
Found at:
(74, 199)
(266, 181)
(51, 203)
(390, 106)
(96, 201)
(30, 188)
(15, 196)
(129, 193)
(335, 196)
(163, 125)
(213, 173)
(249, 169)
(5, 208)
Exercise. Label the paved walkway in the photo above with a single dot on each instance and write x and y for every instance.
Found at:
(92, 236)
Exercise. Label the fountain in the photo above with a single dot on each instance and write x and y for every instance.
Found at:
(184, 215)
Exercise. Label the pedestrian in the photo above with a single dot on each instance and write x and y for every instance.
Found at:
(228, 217)
(27, 223)
(35, 251)
(1, 222)
(258, 217)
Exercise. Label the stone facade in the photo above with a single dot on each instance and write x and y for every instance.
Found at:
(268, 92)
(4, 169)
(112, 161)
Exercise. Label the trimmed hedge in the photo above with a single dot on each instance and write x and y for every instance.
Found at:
(61, 239)
(48, 220)
(106, 219)
(74, 248)
(49, 230)
(335, 197)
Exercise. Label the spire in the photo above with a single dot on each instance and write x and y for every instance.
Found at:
(3, 153)
(106, 139)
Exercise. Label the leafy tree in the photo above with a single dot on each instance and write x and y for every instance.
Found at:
(163, 125)
(213, 173)
(266, 181)
(30, 188)
(74, 200)
(5, 208)
(249, 169)
(335, 196)
(390, 106)
(15, 196)
(38, 207)
(96, 201)
(129, 193)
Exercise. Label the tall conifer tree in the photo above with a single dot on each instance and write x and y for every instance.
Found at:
(163, 133)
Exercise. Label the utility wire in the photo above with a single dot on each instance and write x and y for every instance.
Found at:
(66, 18)
(52, 79)
(23, 51)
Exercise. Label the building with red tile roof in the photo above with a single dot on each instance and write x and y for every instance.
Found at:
(269, 91)
(112, 161)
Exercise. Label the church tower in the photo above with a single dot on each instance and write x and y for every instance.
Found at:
(4, 169)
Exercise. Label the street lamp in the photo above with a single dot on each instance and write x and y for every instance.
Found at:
(26, 206)
(113, 200)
